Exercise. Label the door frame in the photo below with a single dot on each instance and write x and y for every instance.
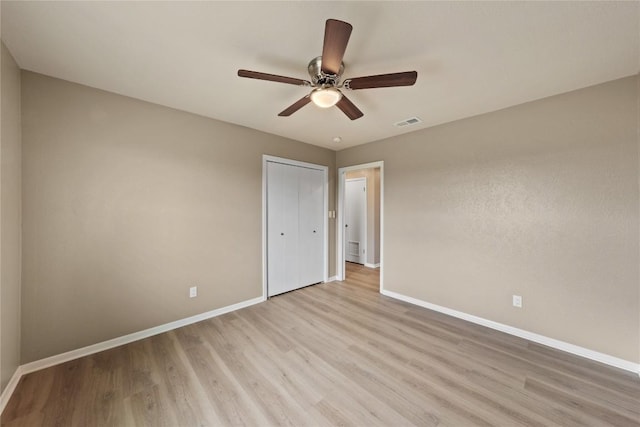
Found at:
(364, 220)
(325, 243)
(340, 261)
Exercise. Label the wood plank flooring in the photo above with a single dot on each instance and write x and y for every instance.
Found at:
(330, 354)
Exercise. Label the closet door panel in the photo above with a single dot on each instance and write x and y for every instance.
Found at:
(311, 225)
(282, 228)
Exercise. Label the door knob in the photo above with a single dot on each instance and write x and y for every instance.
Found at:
(346, 225)
(282, 234)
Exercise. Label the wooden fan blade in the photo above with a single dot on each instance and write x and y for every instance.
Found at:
(336, 37)
(349, 108)
(295, 106)
(272, 78)
(407, 78)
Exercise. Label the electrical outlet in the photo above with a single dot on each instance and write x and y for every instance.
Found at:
(517, 301)
(193, 292)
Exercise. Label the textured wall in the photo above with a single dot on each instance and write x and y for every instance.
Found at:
(127, 204)
(10, 218)
(539, 200)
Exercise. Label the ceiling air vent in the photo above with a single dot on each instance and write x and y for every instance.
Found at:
(408, 122)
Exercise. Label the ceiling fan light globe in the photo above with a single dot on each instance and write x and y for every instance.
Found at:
(326, 97)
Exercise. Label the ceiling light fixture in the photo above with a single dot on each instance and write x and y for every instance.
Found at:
(325, 97)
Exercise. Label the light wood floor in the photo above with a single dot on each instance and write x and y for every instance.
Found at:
(330, 354)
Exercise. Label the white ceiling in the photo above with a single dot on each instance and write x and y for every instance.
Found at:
(471, 57)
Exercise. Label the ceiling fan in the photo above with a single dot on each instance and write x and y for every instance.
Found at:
(326, 71)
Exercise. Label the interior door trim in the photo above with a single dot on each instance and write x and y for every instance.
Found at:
(325, 178)
(342, 174)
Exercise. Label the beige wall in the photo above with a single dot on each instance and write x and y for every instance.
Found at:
(539, 200)
(10, 218)
(127, 204)
(372, 175)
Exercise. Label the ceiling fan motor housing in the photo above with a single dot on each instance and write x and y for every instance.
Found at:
(321, 79)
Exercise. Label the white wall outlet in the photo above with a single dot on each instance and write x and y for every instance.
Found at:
(193, 292)
(517, 301)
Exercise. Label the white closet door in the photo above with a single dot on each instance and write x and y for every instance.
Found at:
(282, 228)
(311, 225)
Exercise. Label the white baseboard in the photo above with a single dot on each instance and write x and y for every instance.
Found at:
(540, 339)
(331, 279)
(10, 388)
(115, 342)
(366, 264)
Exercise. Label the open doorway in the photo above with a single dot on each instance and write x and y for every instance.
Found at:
(357, 217)
(360, 222)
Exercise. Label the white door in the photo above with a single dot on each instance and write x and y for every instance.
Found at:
(355, 214)
(310, 226)
(295, 227)
(282, 228)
